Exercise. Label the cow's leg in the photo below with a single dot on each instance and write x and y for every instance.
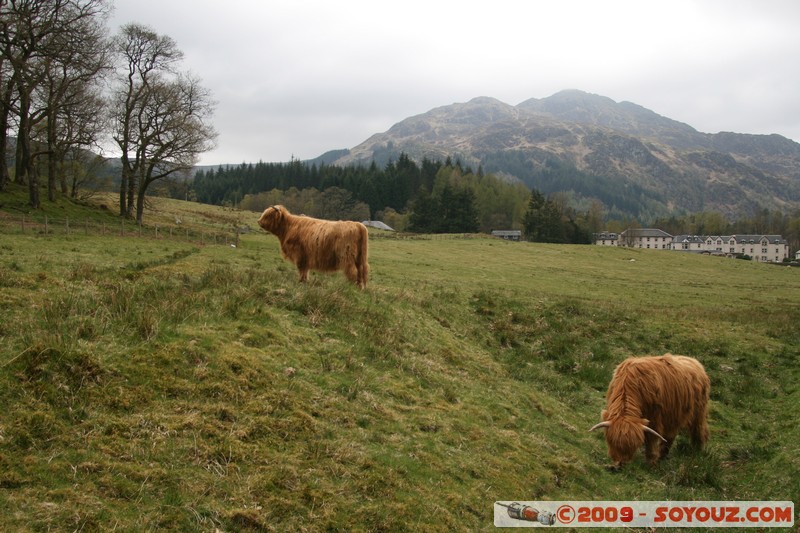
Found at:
(303, 274)
(351, 272)
(698, 426)
(698, 430)
(363, 275)
(652, 448)
(302, 268)
(666, 446)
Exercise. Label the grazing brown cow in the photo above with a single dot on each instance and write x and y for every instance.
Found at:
(652, 399)
(322, 245)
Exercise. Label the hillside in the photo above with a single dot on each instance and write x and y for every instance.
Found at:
(622, 153)
(159, 384)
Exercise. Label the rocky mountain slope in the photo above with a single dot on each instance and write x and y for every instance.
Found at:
(631, 158)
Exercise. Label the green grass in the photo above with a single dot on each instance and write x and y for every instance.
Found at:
(164, 385)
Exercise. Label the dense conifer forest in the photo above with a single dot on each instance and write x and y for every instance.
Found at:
(448, 197)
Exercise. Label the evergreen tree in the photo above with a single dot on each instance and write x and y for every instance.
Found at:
(458, 212)
(425, 216)
(542, 220)
(532, 222)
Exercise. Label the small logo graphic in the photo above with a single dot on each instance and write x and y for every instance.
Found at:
(527, 513)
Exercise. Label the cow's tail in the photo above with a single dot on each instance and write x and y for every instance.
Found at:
(362, 257)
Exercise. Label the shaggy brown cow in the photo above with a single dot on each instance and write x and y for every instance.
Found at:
(322, 245)
(652, 399)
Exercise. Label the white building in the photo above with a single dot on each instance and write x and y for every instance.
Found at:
(649, 238)
(688, 243)
(508, 234)
(606, 238)
(762, 248)
(765, 248)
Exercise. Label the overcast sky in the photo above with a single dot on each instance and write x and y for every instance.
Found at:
(297, 78)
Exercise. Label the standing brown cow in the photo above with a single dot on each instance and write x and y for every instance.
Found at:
(322, 245)
(652, 399)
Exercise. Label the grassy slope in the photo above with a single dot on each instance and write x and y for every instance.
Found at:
(159, 384)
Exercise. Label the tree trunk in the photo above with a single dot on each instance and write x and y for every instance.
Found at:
(24, 160)
(4, 176)
(19, 172)
(62, 175)
(8, 91)
(133, 186)
(33, 190)
(123, 185)
(140, 205)
(51, 160)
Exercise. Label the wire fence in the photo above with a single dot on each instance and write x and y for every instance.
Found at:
(28, 225)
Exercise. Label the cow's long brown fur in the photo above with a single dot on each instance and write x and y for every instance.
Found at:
(667, 393)
(321, 245)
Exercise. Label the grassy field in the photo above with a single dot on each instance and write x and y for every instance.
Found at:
(164, 385)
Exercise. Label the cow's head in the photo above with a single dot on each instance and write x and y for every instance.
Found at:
(624, 436)
(272, 218)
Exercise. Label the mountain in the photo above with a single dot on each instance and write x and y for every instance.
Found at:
(631, 158)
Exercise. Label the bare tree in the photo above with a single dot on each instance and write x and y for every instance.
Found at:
(35, 35)
(83, 168)
(81, 128)
(71, 94)
(145, 54)
(7, 103)
(173, 130)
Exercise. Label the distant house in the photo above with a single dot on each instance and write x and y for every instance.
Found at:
(507, 234)
(762, 248)
(650, 238)
(606, 238)
(688, 243)
(797, 255)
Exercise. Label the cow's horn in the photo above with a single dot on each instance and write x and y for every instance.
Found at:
(601, 425)
(654, 432)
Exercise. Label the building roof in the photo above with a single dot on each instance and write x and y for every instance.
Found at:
(691, 239)
(606, 235)
(645, 232)
(377, 224)
(772, 239)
